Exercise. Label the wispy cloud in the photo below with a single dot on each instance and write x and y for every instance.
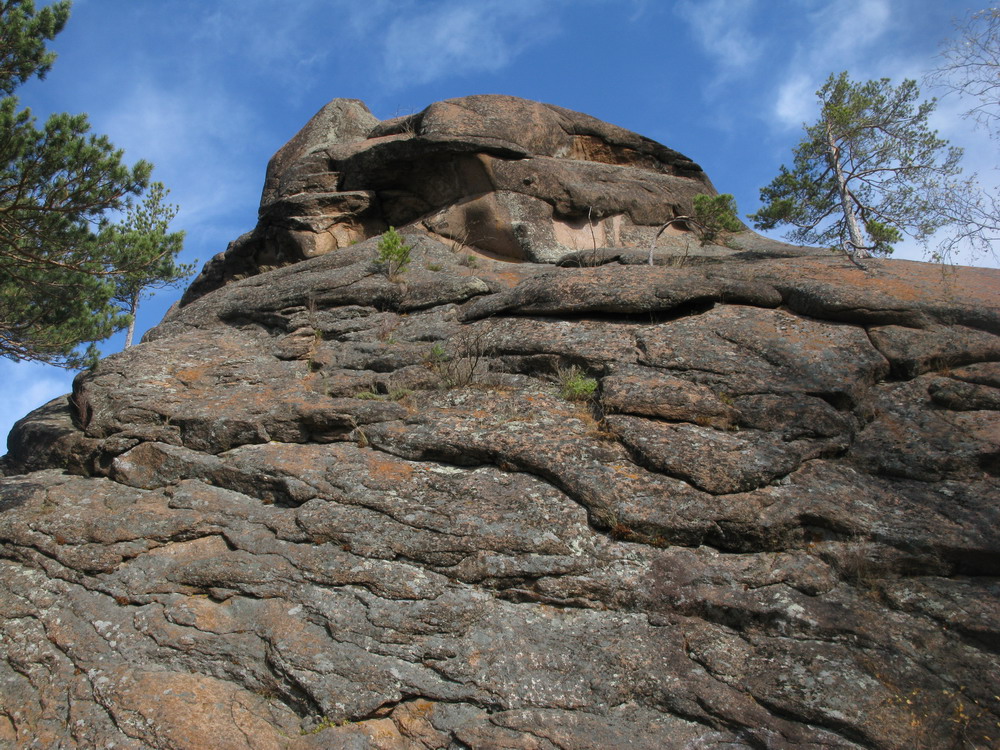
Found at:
(400, 42)
(723, 29)
(795, 102)
(451, 38)
(791, 59)
(844, 28)
(835, 37)
(288, 41)
(196, 136)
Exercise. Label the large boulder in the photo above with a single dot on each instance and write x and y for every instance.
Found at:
(738, 500)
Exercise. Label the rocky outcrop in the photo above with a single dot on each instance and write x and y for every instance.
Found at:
(742, 498)
(497, 175)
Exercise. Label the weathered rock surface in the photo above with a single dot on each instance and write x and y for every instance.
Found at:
(489, 175)
(319, 508)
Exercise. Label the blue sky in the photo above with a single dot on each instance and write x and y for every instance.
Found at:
(208, 91)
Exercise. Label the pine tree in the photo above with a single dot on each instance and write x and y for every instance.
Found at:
(60, 258)
(143, 233)
(867, 173)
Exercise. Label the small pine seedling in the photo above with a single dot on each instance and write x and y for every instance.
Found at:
(393, 253)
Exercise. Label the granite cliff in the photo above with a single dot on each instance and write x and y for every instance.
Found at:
(531, 492)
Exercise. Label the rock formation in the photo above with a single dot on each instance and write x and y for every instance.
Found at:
(514, 179)
(530, 492)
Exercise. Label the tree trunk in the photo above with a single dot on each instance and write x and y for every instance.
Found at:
(857, 239)
(133, 306)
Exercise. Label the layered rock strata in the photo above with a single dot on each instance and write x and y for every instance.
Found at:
(727, 501)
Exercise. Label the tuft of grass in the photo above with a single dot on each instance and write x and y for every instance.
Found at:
(358, 434)
(575, 385)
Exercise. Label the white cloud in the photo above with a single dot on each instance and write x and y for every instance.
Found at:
(639, 8)
(285, 41)
(196, 137)
(418, 41)
(839, 36)
(451, 38)
(171, 125)
(793, 56)
(409, 41)
(796, 103)
(722, 28)
(844, 28)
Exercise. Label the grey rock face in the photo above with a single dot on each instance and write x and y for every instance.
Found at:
(319, 508)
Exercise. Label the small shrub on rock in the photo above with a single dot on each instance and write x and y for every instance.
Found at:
(715, 215)
(471, 348)
(393, 253)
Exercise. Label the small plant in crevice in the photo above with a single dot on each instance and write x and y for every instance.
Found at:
(267, 691)
(385, 328)
(316, 339)
(458, 365)
(575, 384)
(859, 566)
(621, 532)
(407, 122)
(459, 242)
(393, 253)
(599, 429)
(436, 355)
(591, 413)
(358, 434)
(591, 258)
(611, 523)
(312, 365)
